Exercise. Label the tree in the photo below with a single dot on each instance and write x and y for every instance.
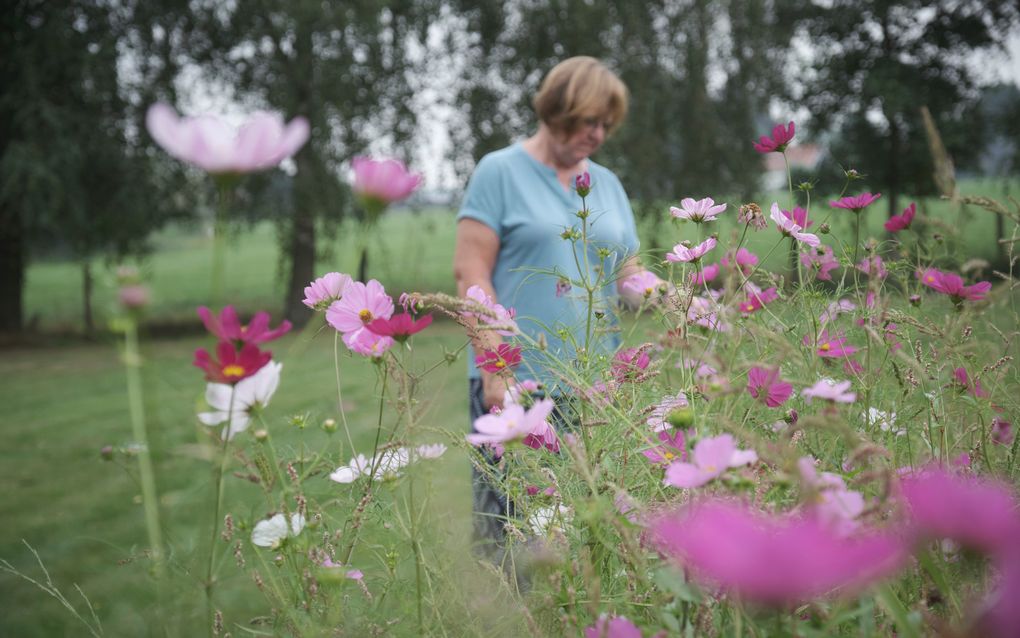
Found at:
(877, 62)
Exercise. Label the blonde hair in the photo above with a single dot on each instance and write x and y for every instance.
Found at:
(577, 89)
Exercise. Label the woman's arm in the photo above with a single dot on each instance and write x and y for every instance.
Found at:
(474, 259)
(631, 298)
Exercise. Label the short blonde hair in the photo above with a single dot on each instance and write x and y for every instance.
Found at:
(577, 89)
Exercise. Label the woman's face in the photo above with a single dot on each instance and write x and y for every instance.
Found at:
(582, 143)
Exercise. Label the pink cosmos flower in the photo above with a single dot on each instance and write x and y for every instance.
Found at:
(659, 419)
(503, 357)
(670, 449)
(897, 223)
(367, 343)
(628, 364)
(382, 182)
(791, 229)
(231, 365)
(616, 627)
(873, 267)
(707, 274)
(831, 502)
(682, 253)
(969, 510)
(831, 347)
(544, 435)
(756, 300)
(820, 261)
(511, 424)
(744, 259)
(1002, 431)
(777, 143)
(361, 305)
(799, 217)
(562, 287)
(400, 326)
(856, 203)
(697, 211)
(711, 457)
(582, 184)
(962, 380)
(325, 290)
(227, 327)
(1002, 615)
(497, 315)
(218, 148)
(774, 560)
(952, 284)
(133, 296)
(644, 283)
(765, 385)
(835, 309)
(829, 390)
(705, 311)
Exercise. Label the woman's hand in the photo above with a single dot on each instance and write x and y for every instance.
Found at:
(494, 387)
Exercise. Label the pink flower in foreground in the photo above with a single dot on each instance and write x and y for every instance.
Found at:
(969, 510)
(777, 143)
(897, 223)
(791, 229)
(962, 380)
(756, 300)
(365, 342)
(644, 283)
(227, 327)
(382, 182)
(831, 502)
(361, 305)
(671, 448)
(765, 385)
(831, 347)
(231, 365)
(682, 253)
(829, 390)
(774, 560)
(325, 290)
(711, 457)
(799, 217)
(743, 259)
(697, 211)
(503, 357)
(952, 284)
(219, 148)
(616, 627)
(820, 261)
(856, 203)
(400, 326)
(707, 274)
(513, 423)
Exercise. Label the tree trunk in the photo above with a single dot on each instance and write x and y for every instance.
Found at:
(301, 251)
(86, 296)
(363, 263)
(12, 271)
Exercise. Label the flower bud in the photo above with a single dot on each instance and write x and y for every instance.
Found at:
(133, 297)
(106, 453)
(680, 418)
(261, 435)
(805, 186)
(582, 214)
(329, 425)
(852, 174)
(915, 300)
(582, 183)
(824, 229)
(792, 417)
(938, 238)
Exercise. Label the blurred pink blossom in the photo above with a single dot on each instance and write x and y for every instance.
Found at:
(710, 458)
(743, 259)
(791, 229)
(952, 284)
(382, 182)
(616, 627)
(325, 290)
(897, 223)
(360, 305)
(829, 390)
(765, 385)
(670, 448)
(820, 261)
(227, 327)
(682, 253)
(856, 203)
(777, 143)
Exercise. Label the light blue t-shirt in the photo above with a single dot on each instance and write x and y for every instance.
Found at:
(521, 199)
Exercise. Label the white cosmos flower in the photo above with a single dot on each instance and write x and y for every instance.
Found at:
(886, 421)
(432, 451)
(547, 519)
(388, 463)
(249, 394)
(272, 532)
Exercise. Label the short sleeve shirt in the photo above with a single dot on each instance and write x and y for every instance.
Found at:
(524, 203)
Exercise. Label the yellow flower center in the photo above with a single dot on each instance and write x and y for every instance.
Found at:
(669, 456)
(233, 371)
(930, 279)
(824, 347)
(365, 315)
(500, 364)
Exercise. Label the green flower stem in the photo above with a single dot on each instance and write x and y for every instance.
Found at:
(221, 469)
(367, 495)
(339, 393)
(225, 188)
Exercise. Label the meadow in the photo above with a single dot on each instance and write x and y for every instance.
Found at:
(64, 400)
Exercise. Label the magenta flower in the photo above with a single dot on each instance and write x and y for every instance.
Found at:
(962, 380)
(379, 183)
(671, 448)
(781, 138)
(629, 363)
(829, 390)
(1002, 431)
(835, 309)
(218, 148)
(820, 261)
(756, 300)
(873, 267)
(952, 284)
(644, 283)
(361, 305)
(831, 347)
(897, 223)
(400, 327)
(582, 184)
(367, 343)
(497, 315)
(765, 385)
(325, 290)
(856, 203)
(697, 211)
(790, 228)
(227, 327)
(711, 457)
(774, 560)
(616, 627)
(511, 424)
(707, 274)
(503, 357)
(231, 365)
(969, 510)
(682, 253)
(744, 259)
(799, 217)
(704, 311)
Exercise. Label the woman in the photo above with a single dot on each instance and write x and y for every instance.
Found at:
(518, 203)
